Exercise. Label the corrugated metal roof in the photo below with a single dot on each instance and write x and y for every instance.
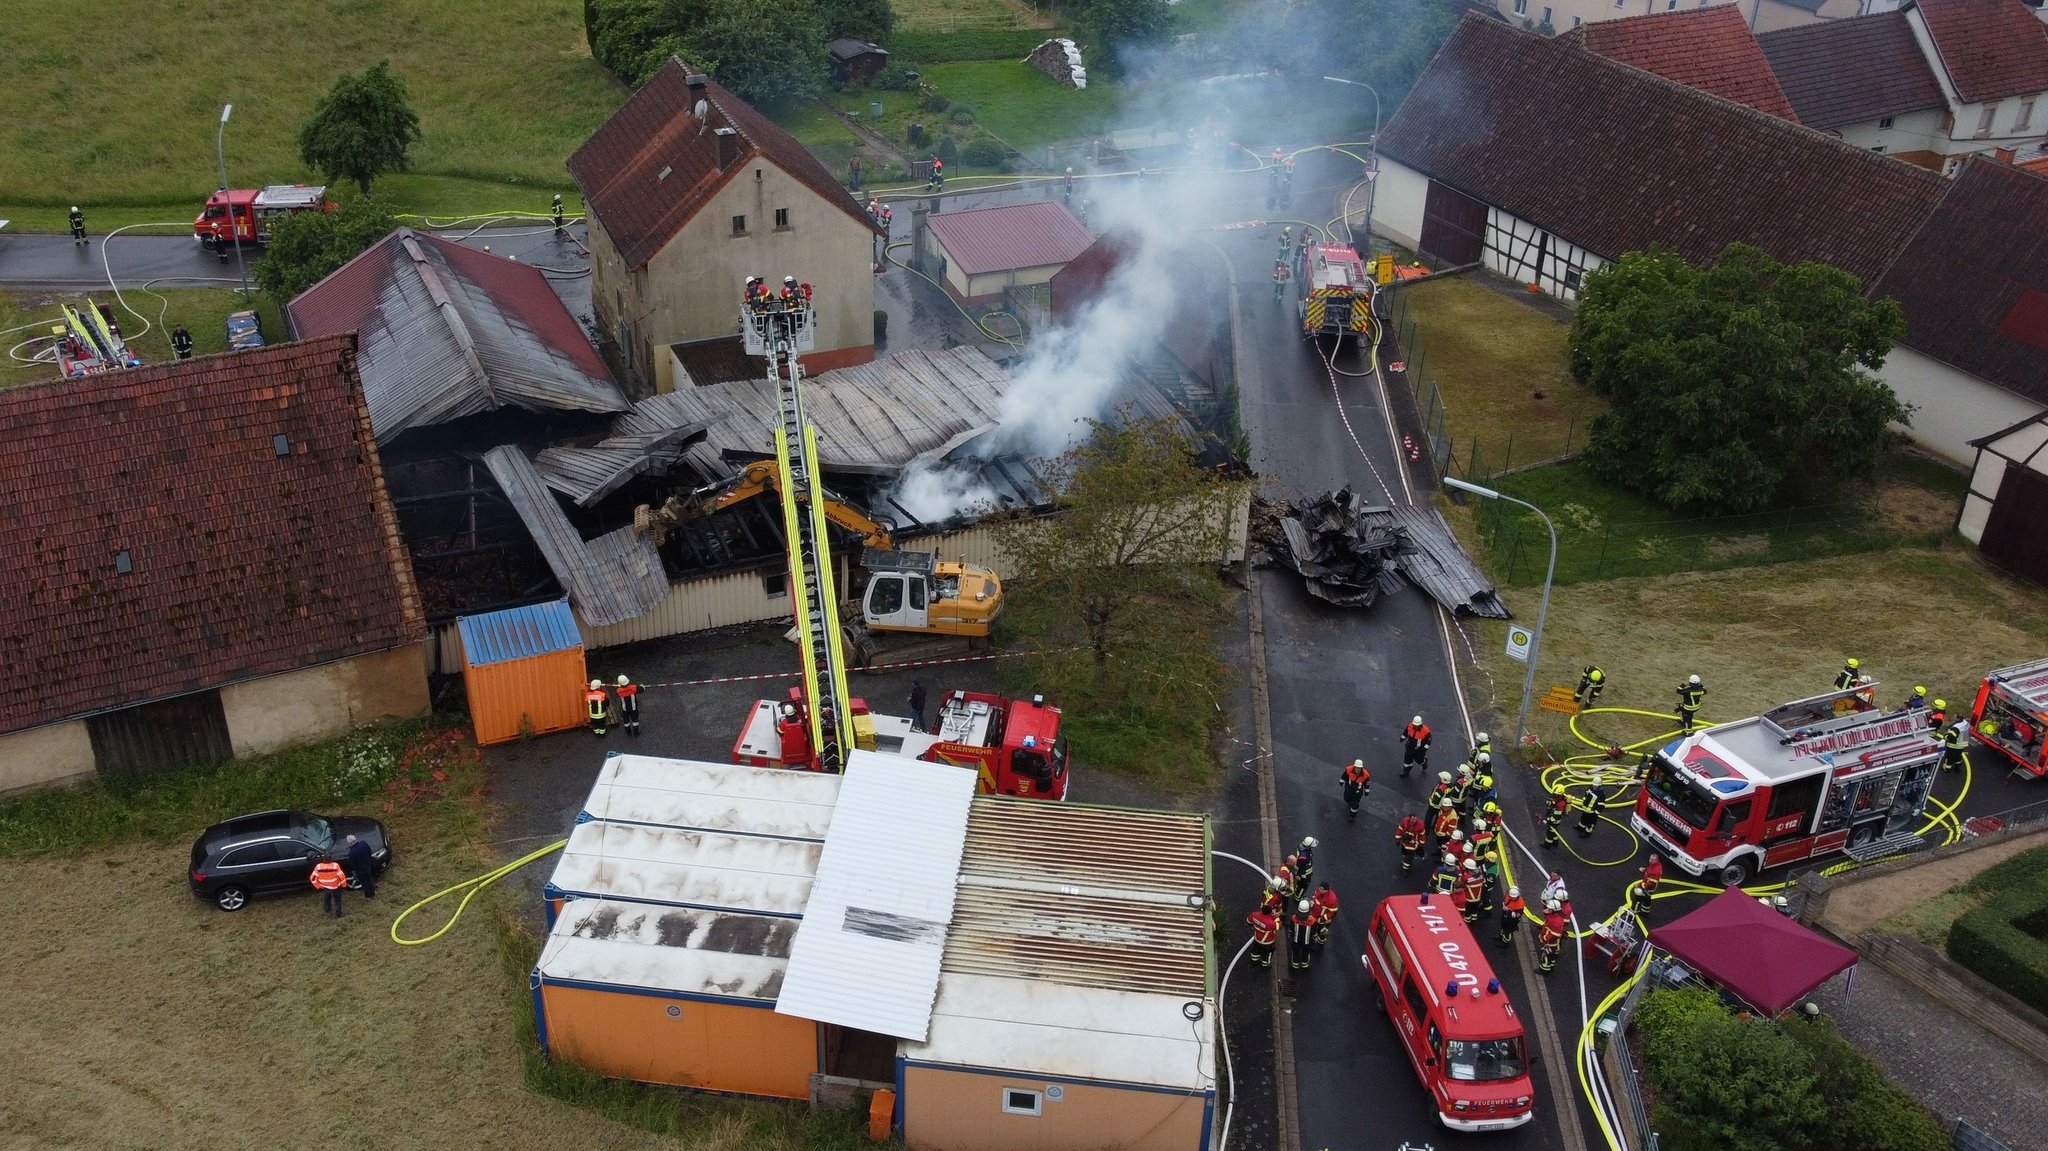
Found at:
(587, 475)
(675, 865)
(999, 239)
(868, 952)
(615, 577)
(676, 949)
(446, 331)
(518, 633)
(712, 797)
(1030, 1027)
(1438, 564)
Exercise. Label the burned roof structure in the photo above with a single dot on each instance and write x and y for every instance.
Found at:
(446, 331)
(1350, 553)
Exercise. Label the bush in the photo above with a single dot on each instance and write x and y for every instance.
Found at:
(961, 114)
(1668, 1016)
(947, 149)
(936, 102)
(984, 152)
(897, 77)
(1865, 1111)
(978, 44)
(1997, 940)
(1739, 1082)
(881, 325)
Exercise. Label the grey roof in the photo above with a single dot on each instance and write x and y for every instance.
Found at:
(446, 331)
(648, 439)
(617, 576)
(1841, 72)
(1439, 566)
(847, 49)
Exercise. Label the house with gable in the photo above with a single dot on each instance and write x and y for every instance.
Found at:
(689, 191)
(1710, 49)
(1557, 16)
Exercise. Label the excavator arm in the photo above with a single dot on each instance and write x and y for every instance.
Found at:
(755, 479)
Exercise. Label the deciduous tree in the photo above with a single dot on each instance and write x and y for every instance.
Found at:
(361, 129)
(1733, 383)
(767, 52)
(870, 20)
(305, 247)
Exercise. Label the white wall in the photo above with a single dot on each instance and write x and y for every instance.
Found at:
(1920, 131)
(1953, 406)
(53, 753)
(1399, 193)
(1523, 253)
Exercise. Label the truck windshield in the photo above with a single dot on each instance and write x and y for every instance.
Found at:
(1484, 1060)
(1693, 803)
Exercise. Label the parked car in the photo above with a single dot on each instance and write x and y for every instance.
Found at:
(275, 851)
(245, 330)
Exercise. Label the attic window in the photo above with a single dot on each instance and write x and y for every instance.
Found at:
(281, 444)
(123, 563)
(663, 174)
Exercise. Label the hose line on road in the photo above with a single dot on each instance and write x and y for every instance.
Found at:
(469, 888)
(1222, 997)
(978, 325)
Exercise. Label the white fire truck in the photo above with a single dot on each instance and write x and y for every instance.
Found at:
(1816, 776)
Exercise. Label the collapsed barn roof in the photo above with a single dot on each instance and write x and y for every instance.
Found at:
(447, 331)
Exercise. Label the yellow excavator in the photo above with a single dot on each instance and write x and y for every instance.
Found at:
(906, 592)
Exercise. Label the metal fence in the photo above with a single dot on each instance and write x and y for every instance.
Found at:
(1969, 1138)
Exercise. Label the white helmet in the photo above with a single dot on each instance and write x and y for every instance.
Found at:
(1417, 721)
(1302, 907)
(596, 684)
(1308, 841)
(1444, 776)
(1552, 905)
(1478, 824)
(1275, 883)
(1457, 836)
(1515, 892)
(1450, 860)
(1485, 757)
(74, 207)
(1471, 865)
(1485, 738)
(623, 681)
(1358, 763)
(1693, 680)
(1464, 769)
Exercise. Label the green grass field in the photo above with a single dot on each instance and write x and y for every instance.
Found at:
(965, 15)
(1024, 106)
(203, 311)
(116, 108)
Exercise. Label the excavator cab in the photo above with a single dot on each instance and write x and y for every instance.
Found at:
(899, 590)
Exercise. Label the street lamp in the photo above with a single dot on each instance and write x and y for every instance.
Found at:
(220, 150)
(1372, 149)
(1535, 644)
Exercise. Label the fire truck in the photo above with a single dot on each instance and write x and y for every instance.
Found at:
(253, 209)
(89, 342)
(1816, 776)
(2011, 715)
(1335, 291)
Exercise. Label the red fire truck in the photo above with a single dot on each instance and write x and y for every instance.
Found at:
(2011, 715)
(1815, 776)
(253, 209)
(1013, 746)
(1335, 291)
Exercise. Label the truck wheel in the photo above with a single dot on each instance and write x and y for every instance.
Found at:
(1863, 835)
(1737, 872)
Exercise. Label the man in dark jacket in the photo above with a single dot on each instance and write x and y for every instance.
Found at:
(917, 705)
(360, 867)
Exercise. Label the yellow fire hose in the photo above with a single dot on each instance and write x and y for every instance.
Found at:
(469, 888)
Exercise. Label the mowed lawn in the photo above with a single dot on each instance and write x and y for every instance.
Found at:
(116, 106)
(1024, 106)
(204, 311)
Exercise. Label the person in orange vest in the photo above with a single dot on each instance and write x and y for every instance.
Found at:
(597, 705)
(1551, 941)
(1357, 783)
(1410, 834)
(938, 172)
(1653, 872)
(1414, 746)
(1325, 912)
(1511, 910)
(1461, 901)
(629, 706)
(1937, 716)
(330, 879)
(1265, 934)
(1301, 935)
(1287, 881)
(1472, 886)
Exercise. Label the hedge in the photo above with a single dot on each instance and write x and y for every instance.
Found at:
(2002, 939)
(975, 44)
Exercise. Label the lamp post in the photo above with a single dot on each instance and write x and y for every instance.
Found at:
(1536, 643)
(1372, 150)
(220, 150)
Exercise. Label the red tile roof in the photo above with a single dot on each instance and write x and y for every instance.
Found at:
(1842, 72)
(1710, 49)
(1991, 49)
(654, 164)
(1031, 235)
(1615, 159)
(245, 563)
(1974, 281)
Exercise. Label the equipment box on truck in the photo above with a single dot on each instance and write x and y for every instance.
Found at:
(2011, 715)
(1462, 1035)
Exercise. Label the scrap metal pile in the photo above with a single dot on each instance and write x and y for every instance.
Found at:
(1351, 552)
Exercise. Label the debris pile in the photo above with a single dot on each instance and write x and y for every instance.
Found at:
(1061, 60)
(1351, 552)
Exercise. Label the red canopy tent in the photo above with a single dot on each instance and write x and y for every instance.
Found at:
(1756, 953)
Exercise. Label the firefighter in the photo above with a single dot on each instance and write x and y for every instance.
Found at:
(938, 172)
(1286, 242)
(1410, 833)
(1482, 836)
(803, 292)
(1553, 890)
(1589, 810)
(1472, 887)
(1414, 746)
(597, 705)
(223, 238)
(1439, 793)
(1551, 941)
(1849, 674)
(1081, 211)
(1279, 280)
(1553, 815)
(1461, 788)
(1917, 700)
(1265, 933)
(789, 296)
(1592, 682)
(629, 706)
(1511, 910)
(1301, 935)
(1937, 716)
(1305, 862)
(78, 226)
(1461, 900)
(1489, 865)
(1275, 901)
(1357, 783)
(1638, 899)
(1653, 872)
(1690, 693)
(1445, 877)
(1067, 190)
(1326, 914)
(181, 342)
(750, 294)
(1482, 751)
(1446, 823)
(555, 212)
(1954, 747)
(1483, 794)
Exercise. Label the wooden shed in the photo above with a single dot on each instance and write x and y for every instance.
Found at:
(2006, 511)
(523, 671)
(855, 60)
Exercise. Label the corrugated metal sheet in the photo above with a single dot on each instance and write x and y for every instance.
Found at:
(868, 952)
(1439, 566)
(712, 797)
(587, 475)
(684, 949)
(446, 331)
(614, 577)
(1009, 237)
(518, 632)
(724, 871)
(1069, 1031)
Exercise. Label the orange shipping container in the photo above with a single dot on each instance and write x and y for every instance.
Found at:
(523, 671)
(741, 1047)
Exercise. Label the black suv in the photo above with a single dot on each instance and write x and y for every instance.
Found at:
(275, 851)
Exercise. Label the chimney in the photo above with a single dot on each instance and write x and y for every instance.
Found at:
(728, 147)
(696, 82)
(2003, 155)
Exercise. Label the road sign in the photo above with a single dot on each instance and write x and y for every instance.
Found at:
(1518, 643)
(1560, 699)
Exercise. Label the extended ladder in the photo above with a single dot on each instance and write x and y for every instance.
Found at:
(780, 333)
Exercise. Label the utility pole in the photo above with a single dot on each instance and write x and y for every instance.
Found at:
(220, 150)
(1372, 163)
